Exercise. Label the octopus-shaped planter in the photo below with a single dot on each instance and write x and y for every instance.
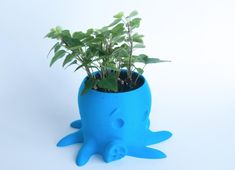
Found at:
(115, 125)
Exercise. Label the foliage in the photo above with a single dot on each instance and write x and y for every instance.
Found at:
(107, 50)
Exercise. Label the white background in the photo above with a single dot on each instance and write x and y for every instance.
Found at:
(193, 96)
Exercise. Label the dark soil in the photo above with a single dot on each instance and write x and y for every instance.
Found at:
(125, 85)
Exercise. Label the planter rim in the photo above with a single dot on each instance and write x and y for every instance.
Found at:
(118, 93)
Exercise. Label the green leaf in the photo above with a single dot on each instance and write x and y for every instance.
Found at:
(119, 15)
(139, 70)
(88, 60)
(66, 33)
(133, 13)
(59, 54)
(79, 67)
(137, 38)
(116, 21)
(88, 39)
(118, 29)
(71, 42)
(124, 53)
(54, 46)
(57, 47)
(54, 32)
(102, 33)
(103, 30)
(72, 63)
(109, 83)
(111, 67)
(142, 58)
(79, 35)
(118, 39)
(75, 48)
(58, 29)
(68, 58)
(51, 34)
(120, 53)
(139, 46)
(89, 84)
(89, 31)
(135, 23)
(155, 60)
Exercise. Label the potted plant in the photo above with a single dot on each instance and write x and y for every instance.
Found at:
(114, 98)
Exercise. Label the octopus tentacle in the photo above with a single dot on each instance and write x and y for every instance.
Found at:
(114, 150)
(145, 152)
(84, 154)
(156, 137)
(77, 124)
(70, 139)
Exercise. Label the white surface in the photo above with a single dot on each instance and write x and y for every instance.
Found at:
(193, 96)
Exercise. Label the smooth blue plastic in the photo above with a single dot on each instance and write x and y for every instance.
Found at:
(115, 125)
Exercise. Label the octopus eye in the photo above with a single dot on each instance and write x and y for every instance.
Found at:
(118, 123)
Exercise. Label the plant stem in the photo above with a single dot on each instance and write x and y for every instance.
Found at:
(138, 76)
(88, 71)
(129, 75)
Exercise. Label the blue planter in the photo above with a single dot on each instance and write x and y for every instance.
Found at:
(115, 125)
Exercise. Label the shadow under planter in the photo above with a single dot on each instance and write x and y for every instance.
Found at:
(115, 125)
